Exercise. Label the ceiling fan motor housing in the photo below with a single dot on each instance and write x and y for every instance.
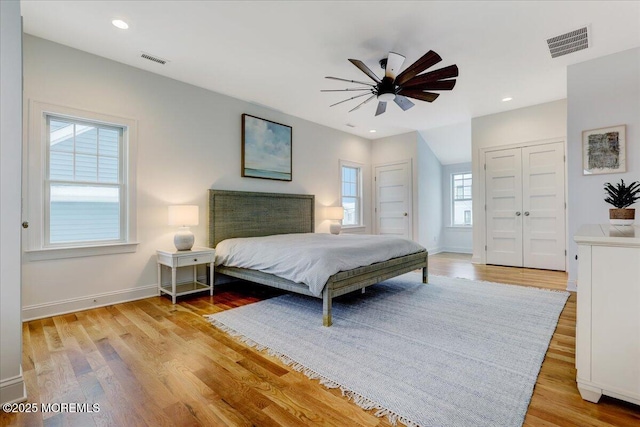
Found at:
(386, 90)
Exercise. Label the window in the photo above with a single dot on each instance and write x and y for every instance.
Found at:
(81, 183)
(461, 199)
(351, 193)
(84, 183)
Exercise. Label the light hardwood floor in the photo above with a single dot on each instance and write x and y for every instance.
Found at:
(152, 363)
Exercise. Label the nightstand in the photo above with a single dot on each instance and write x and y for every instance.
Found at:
(174, 260)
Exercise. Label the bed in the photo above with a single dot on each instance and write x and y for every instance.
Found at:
(234, 214)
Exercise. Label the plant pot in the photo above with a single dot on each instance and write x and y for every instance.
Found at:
(622, 216)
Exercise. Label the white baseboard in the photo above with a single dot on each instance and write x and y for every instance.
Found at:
(434, 251)
(476, 260)
(572, 286)
(48, 309)
(458, 250)
(13, 390)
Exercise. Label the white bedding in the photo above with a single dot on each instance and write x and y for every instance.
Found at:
(311, 258)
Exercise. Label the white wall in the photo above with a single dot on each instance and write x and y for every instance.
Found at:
(452, 147)
(451, 144)
(600, 93)
(454, 239)
(426, 182)
(535, 123)
(12, 387)
(188, 142)
(429, 198)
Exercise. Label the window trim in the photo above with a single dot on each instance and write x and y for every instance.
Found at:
(121, 184)
(359, 166)
(35, 178)
(453, 200)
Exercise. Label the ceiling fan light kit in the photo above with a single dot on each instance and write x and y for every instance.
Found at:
(397, 86)
(386, 97)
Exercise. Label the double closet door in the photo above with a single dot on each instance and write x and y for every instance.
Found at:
(525, 206)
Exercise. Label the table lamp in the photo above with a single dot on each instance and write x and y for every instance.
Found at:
(336, 214)
(183, 216)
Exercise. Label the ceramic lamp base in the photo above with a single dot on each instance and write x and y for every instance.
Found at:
(184, 239)
(335, 228)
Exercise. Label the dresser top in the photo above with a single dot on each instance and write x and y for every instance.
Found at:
(608, 235)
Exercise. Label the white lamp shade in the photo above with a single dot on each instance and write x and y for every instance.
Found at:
(334, 212)
(183, 215)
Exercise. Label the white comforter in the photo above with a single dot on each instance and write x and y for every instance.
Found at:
(311, 258)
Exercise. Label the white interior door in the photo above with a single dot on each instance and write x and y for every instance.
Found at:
(393, 199)
(543, 206)
(503, 183)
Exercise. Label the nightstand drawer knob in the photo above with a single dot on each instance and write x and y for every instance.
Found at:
(195, 260)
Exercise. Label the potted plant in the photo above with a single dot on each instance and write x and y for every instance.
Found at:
(622, 196)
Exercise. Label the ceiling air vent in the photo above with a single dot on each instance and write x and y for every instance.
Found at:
(570, 42)
(153, 58)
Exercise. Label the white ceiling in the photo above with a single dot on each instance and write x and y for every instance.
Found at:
(277, 54)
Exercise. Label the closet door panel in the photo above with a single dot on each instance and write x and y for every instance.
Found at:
(543, 206)
(503, 183)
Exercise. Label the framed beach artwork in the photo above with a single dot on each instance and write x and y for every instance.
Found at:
(266, 149)
(604, 150)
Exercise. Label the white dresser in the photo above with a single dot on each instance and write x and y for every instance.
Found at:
(608, 312)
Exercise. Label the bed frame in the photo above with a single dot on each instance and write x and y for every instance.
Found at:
(249, 214)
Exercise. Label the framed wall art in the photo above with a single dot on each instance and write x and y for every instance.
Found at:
(266, 149)
(604, 150)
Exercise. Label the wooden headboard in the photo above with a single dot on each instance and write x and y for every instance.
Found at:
(249, 214)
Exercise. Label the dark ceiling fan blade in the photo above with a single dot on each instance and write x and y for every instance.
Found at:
(437, 85)
(403, 102)
(427, 60)
(362, 103)
(365, 69)
(382, 107)
(350, 81)
(432, 76)
(349, 99)
(394, 63)
(343, 90)
(422, 96)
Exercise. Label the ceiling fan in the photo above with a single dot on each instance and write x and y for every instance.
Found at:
(397, 87)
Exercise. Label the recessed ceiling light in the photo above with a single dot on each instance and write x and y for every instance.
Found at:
(373, 131)
(508, 98)
(120, 24)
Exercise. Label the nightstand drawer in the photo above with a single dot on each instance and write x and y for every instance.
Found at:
(194, 259)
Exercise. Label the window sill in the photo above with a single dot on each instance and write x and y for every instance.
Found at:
(80, 251)
(459, 227)
(353, 229)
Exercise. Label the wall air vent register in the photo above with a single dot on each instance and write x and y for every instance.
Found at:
(153, 58)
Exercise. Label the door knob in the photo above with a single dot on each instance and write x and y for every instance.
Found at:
(405, 214)
(526, 214)
(517, 213)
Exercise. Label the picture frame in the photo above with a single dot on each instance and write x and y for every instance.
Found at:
(266, 149)
(604, 150)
